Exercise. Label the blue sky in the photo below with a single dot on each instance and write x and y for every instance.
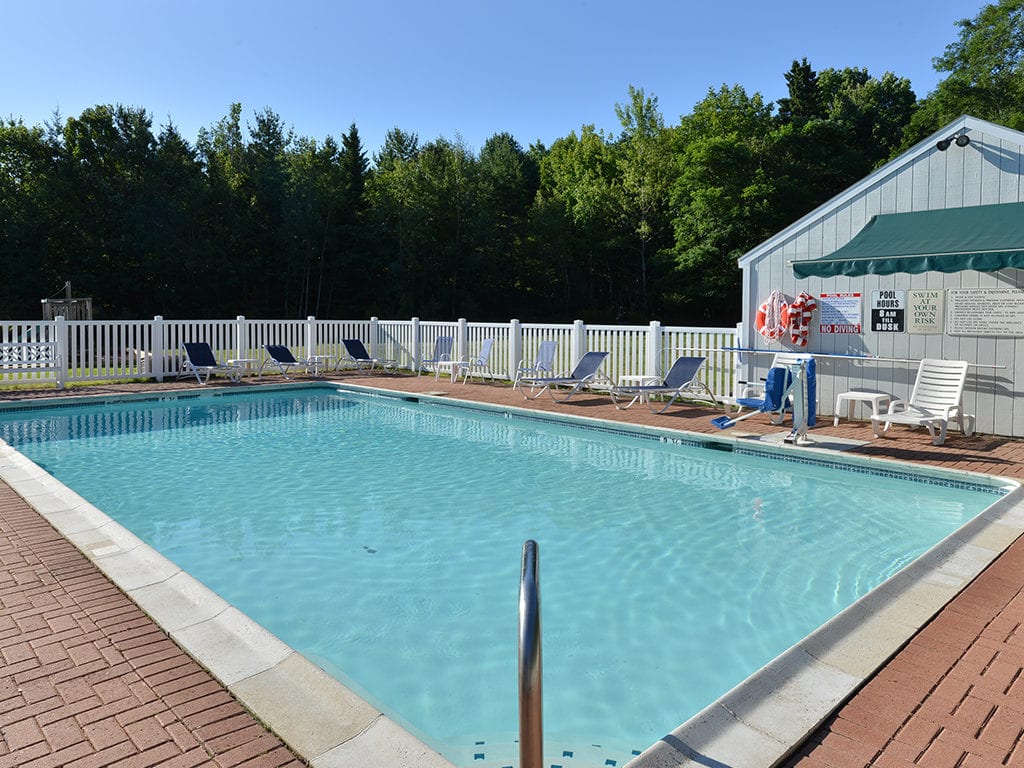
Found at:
(537, 69)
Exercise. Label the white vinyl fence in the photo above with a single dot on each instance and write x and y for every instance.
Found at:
(96, 350)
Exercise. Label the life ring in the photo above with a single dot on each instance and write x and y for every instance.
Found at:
(771, 317)
(799, 318)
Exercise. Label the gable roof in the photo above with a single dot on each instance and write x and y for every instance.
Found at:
(964, 123)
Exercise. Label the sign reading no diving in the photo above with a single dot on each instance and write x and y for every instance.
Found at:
(888, 311)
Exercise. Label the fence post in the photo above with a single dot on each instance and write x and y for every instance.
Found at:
(157, 361)
(578, 341)
(374, 326)
(652, 366)
(416, 344)
(742, 369)
(515, 347)
(60, 336)
(240, 334)
(310, 336)
(462, 348)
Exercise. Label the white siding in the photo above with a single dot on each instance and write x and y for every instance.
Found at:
(987, 171)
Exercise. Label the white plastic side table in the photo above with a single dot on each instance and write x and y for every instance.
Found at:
(877, 400)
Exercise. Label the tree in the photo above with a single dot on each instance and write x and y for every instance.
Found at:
(28, 212)
(645, 167)
(803, 100)
(579, 177)
(398, 146)
(986, 73)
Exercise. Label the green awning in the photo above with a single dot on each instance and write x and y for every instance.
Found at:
(985, 238)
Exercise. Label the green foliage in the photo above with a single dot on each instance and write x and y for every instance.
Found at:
(255, 220)
(986, 73)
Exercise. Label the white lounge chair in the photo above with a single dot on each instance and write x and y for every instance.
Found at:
(199, 359)
(682, 379)
(585, 374)
(936, 400)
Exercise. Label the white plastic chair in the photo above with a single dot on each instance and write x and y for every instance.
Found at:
(936, 400)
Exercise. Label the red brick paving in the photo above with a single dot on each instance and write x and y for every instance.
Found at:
(89, 681)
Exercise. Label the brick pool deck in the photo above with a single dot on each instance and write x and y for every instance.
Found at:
(88, 680)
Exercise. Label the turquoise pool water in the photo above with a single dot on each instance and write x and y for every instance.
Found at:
(382, 539)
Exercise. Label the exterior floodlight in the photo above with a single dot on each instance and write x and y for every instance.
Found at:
(962, 140)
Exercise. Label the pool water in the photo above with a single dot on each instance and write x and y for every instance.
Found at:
(382, 539)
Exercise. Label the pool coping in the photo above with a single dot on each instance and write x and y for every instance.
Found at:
(758, 723)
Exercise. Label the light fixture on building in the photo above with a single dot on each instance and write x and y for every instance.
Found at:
(961, 139)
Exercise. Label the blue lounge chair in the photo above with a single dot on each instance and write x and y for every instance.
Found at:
(199, 359)
(542, 365)
(356, 354)
(280, 356)
(442, 356)
(585, 374)
(682, 380)
(476, 364)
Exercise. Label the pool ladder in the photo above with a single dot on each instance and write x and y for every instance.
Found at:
(531, 731)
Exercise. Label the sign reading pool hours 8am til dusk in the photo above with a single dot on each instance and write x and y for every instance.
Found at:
(888, 311)
(840, 313)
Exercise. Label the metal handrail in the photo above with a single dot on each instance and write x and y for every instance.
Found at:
(531, 730)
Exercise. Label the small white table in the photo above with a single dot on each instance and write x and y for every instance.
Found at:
(243, 363)
(320, 363)
(451, 366)
(877, 400)
(637, 380)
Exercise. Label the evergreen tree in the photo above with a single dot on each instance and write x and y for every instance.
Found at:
(802, 102)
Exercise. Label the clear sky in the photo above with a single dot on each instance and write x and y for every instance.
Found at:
(537, 69)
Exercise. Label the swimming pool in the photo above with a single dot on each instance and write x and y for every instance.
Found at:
(425, 563)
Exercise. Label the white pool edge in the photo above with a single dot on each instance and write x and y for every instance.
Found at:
(757, 724)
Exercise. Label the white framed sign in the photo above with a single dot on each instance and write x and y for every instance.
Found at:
(926, 311)
(840, 313)
(888, 311)
(985, 312)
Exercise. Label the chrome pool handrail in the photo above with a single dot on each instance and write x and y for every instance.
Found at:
(531, 730)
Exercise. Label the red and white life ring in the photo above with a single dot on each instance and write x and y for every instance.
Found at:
(799, 319)
(772, 315)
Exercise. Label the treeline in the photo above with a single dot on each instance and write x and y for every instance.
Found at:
(646, 223)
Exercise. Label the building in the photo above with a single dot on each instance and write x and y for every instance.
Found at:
(922, 258)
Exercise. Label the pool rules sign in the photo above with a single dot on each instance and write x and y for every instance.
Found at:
(888, 311)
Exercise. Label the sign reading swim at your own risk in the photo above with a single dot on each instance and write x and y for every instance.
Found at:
(925, 311)
(840, 313)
